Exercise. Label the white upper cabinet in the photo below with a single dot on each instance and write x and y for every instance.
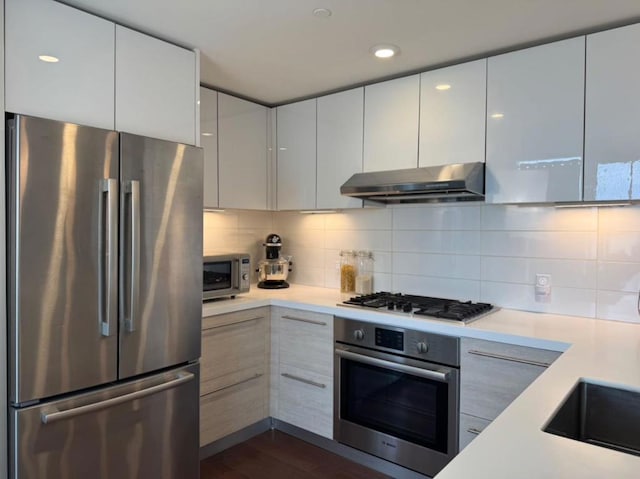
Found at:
(452, 114)
(612, 139)
(79, 88)
(155, 87)
(296, 133)
(242, 153)
(535, 115)
(391, 115)
(209, 143)
(340, 120)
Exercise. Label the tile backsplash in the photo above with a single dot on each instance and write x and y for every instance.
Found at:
(479, 252)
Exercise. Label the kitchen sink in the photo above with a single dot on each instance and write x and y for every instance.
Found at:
(602, 415)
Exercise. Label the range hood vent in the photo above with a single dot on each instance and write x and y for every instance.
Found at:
(431, 184)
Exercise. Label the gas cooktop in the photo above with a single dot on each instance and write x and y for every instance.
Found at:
(449, 309)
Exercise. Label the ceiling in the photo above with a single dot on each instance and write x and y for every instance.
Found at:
(275, 51)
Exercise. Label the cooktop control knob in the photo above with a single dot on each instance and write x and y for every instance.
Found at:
(358, 334)
(422, 347)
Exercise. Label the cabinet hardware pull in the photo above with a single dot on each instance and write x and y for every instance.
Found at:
(234, 323)
(530, 362)
(473, 430)
(242, 381)
(303, 320)
(303, 380)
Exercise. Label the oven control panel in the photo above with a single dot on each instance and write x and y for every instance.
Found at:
(387, 338)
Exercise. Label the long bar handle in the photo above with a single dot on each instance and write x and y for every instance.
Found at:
(403, 368)
(54, 415)
(474, 431)
(108, 256)
(216, 326)
(242, 381)
(303, 380)
(530, 362)
(131, 316)
(303, 320)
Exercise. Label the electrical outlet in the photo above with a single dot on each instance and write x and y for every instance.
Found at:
(543, 288)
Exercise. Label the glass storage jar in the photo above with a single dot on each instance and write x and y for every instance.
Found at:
(347, 271)
(364, 277)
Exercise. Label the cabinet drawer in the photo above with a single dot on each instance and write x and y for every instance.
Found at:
(306, 340)
(306, 400)
(230, 409)
(233, 349)
(493, 374)
(470, 428)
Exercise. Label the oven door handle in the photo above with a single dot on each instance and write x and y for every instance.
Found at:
(403, 368)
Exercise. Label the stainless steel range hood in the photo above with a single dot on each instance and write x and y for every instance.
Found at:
(431, 184)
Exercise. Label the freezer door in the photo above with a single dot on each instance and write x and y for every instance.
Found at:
(62, 254)
(143, 429)
(161, 254)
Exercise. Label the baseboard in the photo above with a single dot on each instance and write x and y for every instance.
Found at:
(235, 438)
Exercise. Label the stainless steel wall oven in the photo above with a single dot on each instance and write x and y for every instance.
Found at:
(397, 393)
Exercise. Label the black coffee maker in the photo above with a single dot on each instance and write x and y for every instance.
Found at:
(273, 270)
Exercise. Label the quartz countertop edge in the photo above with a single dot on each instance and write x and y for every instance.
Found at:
(513, 445)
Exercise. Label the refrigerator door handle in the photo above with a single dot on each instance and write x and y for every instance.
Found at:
(132, 188)
(108, 256)
(53, 415)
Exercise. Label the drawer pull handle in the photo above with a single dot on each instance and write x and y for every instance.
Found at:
(530, 362)
(473, 430)
(303, 380)
(303, 320)
(234, 323)
(242, 381)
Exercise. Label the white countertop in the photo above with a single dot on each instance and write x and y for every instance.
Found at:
(513, 446)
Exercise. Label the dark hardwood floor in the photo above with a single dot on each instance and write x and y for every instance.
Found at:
(276, 455)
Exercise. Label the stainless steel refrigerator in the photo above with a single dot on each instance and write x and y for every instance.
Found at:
(104, 297)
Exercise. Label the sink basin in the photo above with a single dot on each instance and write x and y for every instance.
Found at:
(602, 415)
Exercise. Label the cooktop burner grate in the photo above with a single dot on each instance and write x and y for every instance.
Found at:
(451, 309)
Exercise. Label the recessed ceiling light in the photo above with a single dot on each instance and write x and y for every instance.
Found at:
(443, 86)
(497, 116)
(322, 12)
(385, 51)
(207, 134)
(48, 58)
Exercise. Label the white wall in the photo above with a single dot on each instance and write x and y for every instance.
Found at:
(479, 252)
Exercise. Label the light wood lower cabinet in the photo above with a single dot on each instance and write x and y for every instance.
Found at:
(302, 369)
(492, 375)
(234, 380)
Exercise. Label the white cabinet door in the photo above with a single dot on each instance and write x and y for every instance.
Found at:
(79, 88)
(209, 143)
(391, 115)
(452, 114)
(155, 87)
(296, 132)
(242, 153)
(340, 120)
(535, 115)
(612, 142)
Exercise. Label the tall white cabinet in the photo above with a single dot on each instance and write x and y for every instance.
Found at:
(339, 148)
(155, 87)
(535, 115)
(242, 153)
(296, 150)
(612, 139)
(209, 144)
(79, 87)
(391, 117)
(452, 114)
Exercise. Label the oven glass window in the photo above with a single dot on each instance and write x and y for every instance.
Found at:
(402, 405)
(217, 276)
